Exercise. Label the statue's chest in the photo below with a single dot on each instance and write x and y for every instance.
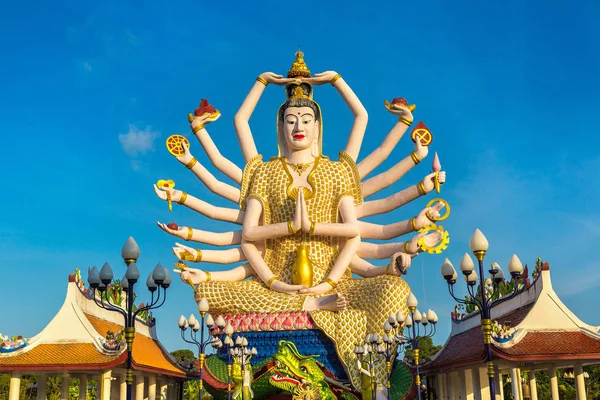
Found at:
(322, 190)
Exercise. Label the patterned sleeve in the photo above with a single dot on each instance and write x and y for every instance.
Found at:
(354, 188)
(249, 170)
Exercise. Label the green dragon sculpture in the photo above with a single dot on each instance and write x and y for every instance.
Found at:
(302, 376)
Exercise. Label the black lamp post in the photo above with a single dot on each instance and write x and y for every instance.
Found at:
(228, 342)
(394, 333)
(483, 300)
(243, 355)
(99, 280)
(196, 326)
(412, 323)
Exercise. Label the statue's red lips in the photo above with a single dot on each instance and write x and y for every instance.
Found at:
(298, 137)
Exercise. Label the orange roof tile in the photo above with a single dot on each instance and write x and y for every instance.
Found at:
(63, 356)
(147, 353)
(553, 345)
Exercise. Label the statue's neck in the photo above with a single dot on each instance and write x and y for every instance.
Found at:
(300, 156)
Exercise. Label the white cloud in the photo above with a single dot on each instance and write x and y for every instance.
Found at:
(136, 165)
(138, 141)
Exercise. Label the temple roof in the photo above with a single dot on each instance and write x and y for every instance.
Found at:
(543, 329)
(75, 340)
(553, 346)
(148, 354)
(60, 356)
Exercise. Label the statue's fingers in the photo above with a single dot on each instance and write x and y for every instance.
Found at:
(420, 235)
(186, 149)
(438, 206)
(184, 247)
(156, 189)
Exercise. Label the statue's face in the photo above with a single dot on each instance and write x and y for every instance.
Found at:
(300, 128)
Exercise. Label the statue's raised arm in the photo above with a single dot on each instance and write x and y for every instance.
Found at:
(241, 121)
(361, 117)
(204, 115)
(400, 108)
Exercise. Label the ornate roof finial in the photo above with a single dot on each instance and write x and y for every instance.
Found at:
(299, 68)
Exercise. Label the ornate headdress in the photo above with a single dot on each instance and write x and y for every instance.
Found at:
(301, 90)
(298, 89)
(299, 68)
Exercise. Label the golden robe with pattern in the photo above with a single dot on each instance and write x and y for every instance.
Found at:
(370, 300)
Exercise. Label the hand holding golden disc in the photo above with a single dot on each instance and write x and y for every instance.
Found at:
(444, 239)
(446, 205)
(174, 145)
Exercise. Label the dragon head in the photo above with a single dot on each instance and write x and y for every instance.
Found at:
(298, 374)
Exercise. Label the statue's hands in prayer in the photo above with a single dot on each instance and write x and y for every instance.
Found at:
(283, 287)
(319, 289)
(276, 79)
(420, 150)
(181, 232)
(297, 221)
(162, 193)
(399, 263)
(431, 240)
(429, 180)
(428, 215)
(304, 212)
(321, 78)
(398, 110)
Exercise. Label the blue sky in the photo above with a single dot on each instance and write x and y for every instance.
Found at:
(509, 90)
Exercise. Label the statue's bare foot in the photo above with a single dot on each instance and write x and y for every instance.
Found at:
(331, 302)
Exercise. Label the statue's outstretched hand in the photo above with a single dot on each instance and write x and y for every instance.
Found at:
(276, 79)
(319, 289)
(162, 193)
(187, 156)
(431, 240)
(321, 78)
(185, 253)
(428, 181)
(204, 119)
(181, 232)
(399, 110)
(193, 275)
(428, 215)
(399, 264)
(283, 287)
(421, 150)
